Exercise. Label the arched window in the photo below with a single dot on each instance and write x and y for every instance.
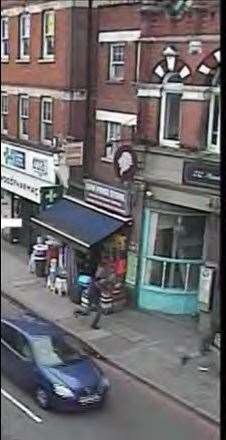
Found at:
(214, 116)
(170, 110)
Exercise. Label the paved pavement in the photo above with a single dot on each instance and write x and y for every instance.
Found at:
(146, 345)
(132, 411)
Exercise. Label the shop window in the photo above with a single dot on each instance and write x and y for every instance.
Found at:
(4, 38)
(23, 116)
(24, 35)
(4, 113)
(113, 136)
(214, 118)
(46, 120)
(48, 34)
(117, 61)
(170, 111)
(174, 251)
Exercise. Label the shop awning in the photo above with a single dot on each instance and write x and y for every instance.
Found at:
(78, 222)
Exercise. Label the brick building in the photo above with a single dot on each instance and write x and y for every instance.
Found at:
(45, 52)
(158, 91)
(148, 79)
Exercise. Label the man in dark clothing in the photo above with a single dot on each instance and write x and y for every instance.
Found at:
(93, 294)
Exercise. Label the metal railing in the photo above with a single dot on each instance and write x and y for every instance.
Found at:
(172, 273)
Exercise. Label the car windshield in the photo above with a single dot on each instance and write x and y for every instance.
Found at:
(55, 350)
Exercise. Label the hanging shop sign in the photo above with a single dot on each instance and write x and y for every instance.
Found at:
(23, 185)
(201, 174)
(125, 163)
(33, 163)
(49, 195)
(74, 154)
(115, 199)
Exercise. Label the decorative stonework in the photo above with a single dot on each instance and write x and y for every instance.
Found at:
(210, 63)
(171, 64)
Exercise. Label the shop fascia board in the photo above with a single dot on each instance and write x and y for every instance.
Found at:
(126, 220)
(203, 155)
(184, 197)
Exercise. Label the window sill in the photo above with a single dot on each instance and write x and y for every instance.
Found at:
(46, 142)
(107, 160)
(22, 60)
(115, 81)
(46, 60)
(168, 144)
(4, 60)
(213, 149)
(24, 137)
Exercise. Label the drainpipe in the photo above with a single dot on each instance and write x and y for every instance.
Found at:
(88, 86)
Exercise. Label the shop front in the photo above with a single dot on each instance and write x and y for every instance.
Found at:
(171, 257)
(84, 236)
(27, 183)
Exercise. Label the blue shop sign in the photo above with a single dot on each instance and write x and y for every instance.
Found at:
(14, 158)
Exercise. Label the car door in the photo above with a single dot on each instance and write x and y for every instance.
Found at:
(17, 359)
(27, 367)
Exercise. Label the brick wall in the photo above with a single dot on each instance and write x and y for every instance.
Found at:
(68, 118)
(52, 75)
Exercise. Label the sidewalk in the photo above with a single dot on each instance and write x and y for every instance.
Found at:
(146, 345)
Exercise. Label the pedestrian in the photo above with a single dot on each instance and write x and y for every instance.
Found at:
(93, 295)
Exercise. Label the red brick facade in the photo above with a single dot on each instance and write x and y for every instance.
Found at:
(157, 32)
(64, 78)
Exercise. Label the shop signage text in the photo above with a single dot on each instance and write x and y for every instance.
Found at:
(40, 167)
(14, 158)
(23, 185)
(105, 196)
(201, 174)
(28, 161)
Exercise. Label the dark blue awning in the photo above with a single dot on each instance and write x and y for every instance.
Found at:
(78, 223)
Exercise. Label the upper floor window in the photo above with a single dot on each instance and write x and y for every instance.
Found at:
(214, 119)
(170, 111)
(4, 113)
(117, 61)
(48, 34)
(23, 116)
(46, 120)
(25, 20)
(4, 38)
(112, 138)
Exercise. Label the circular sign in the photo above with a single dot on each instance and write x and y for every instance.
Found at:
(125, 163)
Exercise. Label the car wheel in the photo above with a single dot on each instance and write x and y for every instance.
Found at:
(42, 398)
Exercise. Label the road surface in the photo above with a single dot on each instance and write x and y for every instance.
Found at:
(133, 412)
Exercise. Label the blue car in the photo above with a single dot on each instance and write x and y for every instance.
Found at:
(49, 363)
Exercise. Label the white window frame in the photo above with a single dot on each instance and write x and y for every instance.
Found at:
(4, 38)
(117, 136)
(113, 63)
(174, 88)
(4, 112)
(25, 36)
(22, 116)
(46, 35)
(214, 148)
(46, 121)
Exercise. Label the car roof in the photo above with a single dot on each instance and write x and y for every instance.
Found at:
(32, 326)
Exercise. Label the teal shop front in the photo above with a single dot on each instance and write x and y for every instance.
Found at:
(171, 256)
